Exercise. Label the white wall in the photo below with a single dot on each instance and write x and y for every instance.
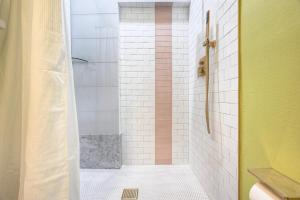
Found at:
(214, 157)
(137, 84)
(180, 87)
(137, 77)
(95, 26)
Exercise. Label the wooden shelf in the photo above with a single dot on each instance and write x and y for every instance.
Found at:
(279, 183)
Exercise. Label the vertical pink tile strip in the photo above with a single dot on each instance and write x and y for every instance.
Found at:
(163, 84)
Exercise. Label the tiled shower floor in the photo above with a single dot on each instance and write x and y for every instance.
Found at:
(154, 183)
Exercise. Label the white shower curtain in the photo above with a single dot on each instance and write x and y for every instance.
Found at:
(39, 150)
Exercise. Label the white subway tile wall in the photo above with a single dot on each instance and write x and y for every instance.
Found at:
(180, 85)
(95, 32)
(214, 157)
(137, 84)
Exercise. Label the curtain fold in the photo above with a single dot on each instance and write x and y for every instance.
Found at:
(37, 112)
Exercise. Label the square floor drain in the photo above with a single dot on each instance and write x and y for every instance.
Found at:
(130, 194)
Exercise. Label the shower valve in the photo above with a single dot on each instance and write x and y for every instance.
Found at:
(211, 43)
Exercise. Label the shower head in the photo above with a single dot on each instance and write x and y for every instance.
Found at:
(79, 59)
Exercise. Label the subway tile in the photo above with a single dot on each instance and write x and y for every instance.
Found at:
(219, 151)
(94, 6)
(86, 98)
(84, 74)
(107, 122)
(107, 74)
(95, 26)
(95, 50)
(107, 98)
(87, 122)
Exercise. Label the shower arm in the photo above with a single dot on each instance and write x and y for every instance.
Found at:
(203, 70)
(80, 59)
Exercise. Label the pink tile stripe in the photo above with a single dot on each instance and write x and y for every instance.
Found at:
(163, 85)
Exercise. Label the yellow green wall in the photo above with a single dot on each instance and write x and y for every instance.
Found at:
(269, 88)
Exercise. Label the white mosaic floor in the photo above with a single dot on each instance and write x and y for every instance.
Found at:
(154, 183)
